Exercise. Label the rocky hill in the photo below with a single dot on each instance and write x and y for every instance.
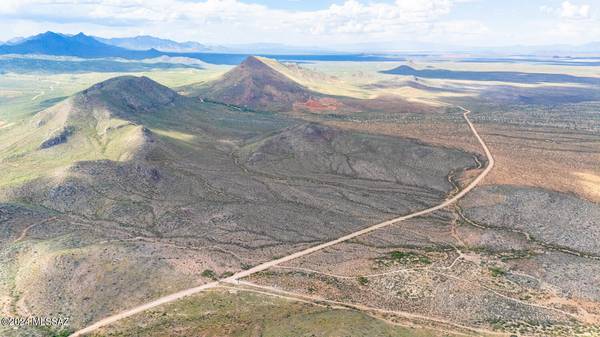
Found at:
(266, 85)
(255, 85)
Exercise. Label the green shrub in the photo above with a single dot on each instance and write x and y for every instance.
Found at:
(497, 271)
(409, 257)
(62, 333)
(209, 274)
(400, 255)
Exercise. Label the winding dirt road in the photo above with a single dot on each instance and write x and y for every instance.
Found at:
(264, 266)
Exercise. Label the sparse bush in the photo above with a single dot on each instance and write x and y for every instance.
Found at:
(424, 259)
(362, 280)
(409, 257)
(497, 271)
(209, 274)
(62, 333)
(399, 255)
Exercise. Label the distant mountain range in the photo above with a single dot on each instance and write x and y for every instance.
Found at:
(15, 40)
(79, 45)
(146, 42)
(146, 47)
(82, 45)
(89, 47)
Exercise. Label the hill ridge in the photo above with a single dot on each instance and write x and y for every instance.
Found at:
(256, 85)
(106, 113)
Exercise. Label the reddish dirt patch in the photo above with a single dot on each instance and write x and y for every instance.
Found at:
(350, 105)
(319, 104)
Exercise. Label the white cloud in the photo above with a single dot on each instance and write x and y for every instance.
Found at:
(574, 23)
(201, 20)
(573, 11)
(568, 10)
(356, 17)
(458, 31)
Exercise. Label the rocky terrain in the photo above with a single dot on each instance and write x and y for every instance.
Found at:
(128, 191)
(255, 85)
(517, 255)
(517, 208)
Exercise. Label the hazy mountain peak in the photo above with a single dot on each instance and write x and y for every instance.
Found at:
(80, 45)
(147, 42)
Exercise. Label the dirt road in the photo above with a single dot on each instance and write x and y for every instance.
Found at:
(455, 328)
(264, 266)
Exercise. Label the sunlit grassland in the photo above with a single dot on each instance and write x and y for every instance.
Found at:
(22, 164)
(22, 95)
(221, 312)
(366, 80)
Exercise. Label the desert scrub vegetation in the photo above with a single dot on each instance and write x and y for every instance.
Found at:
(497, 271)
(243, 313)
(208, 273)
(63, 333)
(405, 258)
(515, 255)
(362, 280)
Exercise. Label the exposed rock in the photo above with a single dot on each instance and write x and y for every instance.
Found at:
(60, 138)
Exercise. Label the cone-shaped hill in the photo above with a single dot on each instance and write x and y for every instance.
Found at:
(125, 97)
(99, 123)
(102, 115)
(128, 94)
(255, 84)
(265, 84)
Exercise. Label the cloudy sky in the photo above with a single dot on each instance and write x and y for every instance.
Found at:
(314, 22)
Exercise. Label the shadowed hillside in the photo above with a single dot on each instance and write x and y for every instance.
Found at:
(496, 76)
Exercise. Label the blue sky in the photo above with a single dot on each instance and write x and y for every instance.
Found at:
(395, 24)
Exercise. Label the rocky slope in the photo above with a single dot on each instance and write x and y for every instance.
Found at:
(127, 191)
